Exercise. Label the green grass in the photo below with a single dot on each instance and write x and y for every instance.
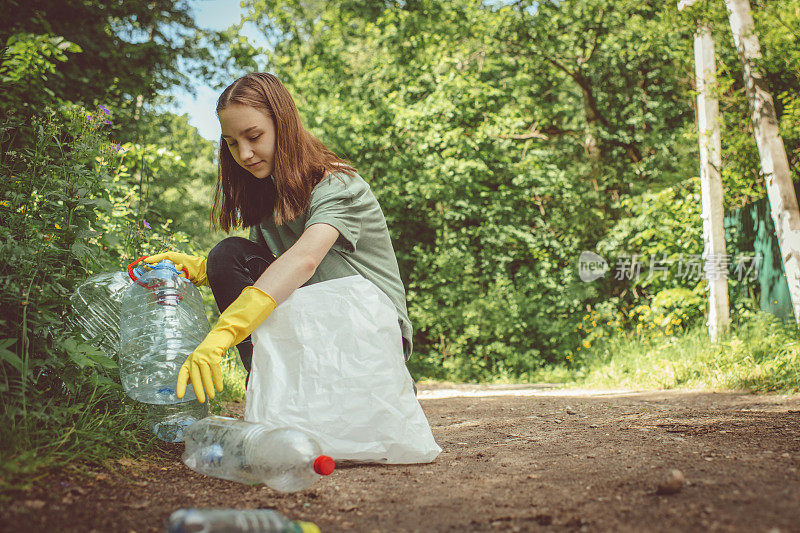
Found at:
(81, 429)
(85, 429)
(759, 354)
(234, 377)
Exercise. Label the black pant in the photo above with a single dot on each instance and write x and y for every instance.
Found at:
(233, 264)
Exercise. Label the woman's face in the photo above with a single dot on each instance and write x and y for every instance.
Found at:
(250, 136)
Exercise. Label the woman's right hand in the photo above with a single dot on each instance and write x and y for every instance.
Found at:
(195, 266)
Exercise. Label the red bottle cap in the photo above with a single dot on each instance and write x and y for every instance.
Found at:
(324, 465)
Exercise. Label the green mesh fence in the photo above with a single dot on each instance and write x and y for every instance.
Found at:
(749, 230)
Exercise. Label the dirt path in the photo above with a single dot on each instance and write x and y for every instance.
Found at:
(514, 459)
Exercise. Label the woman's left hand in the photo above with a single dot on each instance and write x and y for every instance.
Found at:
(238, 321)
(203, 366)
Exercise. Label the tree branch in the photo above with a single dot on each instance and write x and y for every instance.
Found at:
(592, 109)
(543, 134)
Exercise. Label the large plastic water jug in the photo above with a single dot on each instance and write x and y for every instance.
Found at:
(162, 321)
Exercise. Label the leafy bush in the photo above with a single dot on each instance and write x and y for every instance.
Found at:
(27, 61)
(73, 204)
(761, 354)
(67, 213)
(52, 185)
(674, 309)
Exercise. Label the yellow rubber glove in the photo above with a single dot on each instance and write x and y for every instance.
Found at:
(195, 266)
(238, 321)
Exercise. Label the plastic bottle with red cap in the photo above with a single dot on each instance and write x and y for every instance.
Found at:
(284, 459)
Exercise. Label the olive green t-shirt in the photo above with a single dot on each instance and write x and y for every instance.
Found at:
(363, 247)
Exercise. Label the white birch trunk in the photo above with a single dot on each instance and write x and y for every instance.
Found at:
(711, 184)
(774, 163)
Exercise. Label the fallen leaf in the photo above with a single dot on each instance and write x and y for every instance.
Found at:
(34, 504)
(138, 505)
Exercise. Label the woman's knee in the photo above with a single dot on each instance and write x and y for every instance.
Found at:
(225, 254)
(236, 255)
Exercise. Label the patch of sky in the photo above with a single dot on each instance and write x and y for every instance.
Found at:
(215, 15)
(497, 4)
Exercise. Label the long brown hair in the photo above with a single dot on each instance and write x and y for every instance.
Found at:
(301, 160)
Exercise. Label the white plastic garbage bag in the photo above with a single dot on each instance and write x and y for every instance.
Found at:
(329, 361)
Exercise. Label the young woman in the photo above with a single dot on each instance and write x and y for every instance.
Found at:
(311, 217)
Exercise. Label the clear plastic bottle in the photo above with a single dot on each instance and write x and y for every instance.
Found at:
(169, 421)
(285, 459)
(96, 306)
(235, 521)
(164, 320)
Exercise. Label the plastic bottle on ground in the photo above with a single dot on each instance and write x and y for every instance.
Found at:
(163, 321)
(235, 521)
(96, 306)
(169, 421)
(285, 459)
(95, 315)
